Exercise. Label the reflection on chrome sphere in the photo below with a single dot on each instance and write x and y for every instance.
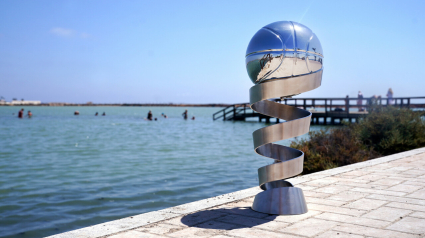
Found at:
(283, 49)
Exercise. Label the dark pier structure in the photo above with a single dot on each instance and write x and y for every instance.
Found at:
(325, 111)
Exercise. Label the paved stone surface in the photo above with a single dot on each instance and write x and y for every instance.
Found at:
(353, 220)
(384, 197)
(409, 224)
(310, 227)
(338, 234)
(372, 232)
(365, 204)
(419, 194)
(387, 214)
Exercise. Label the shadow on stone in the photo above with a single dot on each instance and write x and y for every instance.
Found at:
(227, 218)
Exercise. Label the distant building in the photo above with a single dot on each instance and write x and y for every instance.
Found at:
(17, 102)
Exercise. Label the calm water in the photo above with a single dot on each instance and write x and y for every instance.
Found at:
(60, 172)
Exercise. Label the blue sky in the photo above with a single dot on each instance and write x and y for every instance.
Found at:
(194, 51)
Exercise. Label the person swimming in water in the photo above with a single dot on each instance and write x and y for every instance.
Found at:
(21, 113)
(96, 114)
(104, 114)
(150, 115)
(184, 114)
(29, 114)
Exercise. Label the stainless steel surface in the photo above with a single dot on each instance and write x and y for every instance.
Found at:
(283, 59)
(283, 49)
(293, 197)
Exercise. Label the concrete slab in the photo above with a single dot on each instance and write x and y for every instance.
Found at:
(353, 220)
(372, 232)
(365, 204)
(387, 214)
(410, 225)
(310, 227)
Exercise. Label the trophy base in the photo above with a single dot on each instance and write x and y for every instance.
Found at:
(281, 201)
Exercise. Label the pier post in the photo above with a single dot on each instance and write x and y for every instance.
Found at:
(326, 109)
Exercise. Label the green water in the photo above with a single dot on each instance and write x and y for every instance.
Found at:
(61, 172)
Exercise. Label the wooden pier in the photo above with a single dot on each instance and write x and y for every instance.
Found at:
(324, 110)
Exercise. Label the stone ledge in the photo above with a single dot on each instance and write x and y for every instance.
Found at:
(137, 221)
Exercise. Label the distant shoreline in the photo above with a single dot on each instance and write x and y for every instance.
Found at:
(54, 104)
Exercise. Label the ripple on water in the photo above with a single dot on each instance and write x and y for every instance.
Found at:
(61, 172)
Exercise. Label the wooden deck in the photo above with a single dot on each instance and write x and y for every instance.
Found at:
(324, 111)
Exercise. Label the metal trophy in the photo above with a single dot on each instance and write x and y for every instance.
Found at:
(283, 59)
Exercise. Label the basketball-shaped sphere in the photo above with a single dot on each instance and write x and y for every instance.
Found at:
(283, 49)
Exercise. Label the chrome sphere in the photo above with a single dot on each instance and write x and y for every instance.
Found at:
(283, 49)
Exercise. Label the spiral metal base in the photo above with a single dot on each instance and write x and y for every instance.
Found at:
(279, 196)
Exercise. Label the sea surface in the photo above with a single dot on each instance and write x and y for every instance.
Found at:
(60, 172)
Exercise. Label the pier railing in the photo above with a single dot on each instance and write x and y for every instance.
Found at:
(229, 113)
(325, 108)
(330, 104)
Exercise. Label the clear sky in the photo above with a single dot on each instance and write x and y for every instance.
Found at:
(194, 51)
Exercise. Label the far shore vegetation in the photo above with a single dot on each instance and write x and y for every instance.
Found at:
(384, 131)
